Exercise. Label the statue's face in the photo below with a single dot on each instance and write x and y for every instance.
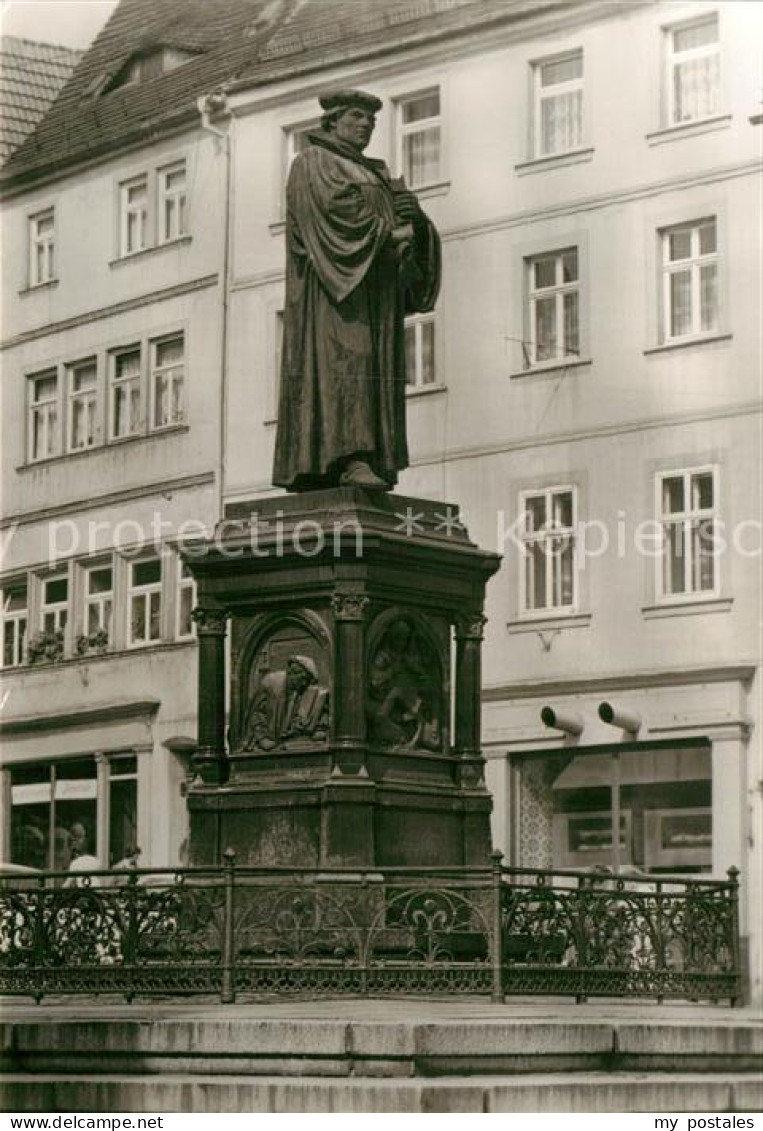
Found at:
(354, 126)
(297, 679)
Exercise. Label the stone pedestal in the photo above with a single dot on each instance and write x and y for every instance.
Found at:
(346, 743)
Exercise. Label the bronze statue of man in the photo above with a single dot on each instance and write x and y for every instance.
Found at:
(360, 255)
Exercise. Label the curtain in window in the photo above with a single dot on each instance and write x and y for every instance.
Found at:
(427, 353)
(680, 303)
(708, 290)
(421, 156)
(562, 122)
(696, 84)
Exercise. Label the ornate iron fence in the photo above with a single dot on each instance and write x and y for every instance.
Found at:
(497, 931)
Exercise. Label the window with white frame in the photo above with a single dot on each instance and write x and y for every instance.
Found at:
(687, 502)
(44, 435)
(693, 70)
(186, 602)
(172, 202)
(42, 262)
(144, 600)
(553, 307)
(82, 424)
(125, 416)
(419, 139)
(548, 574)
(54, 608)
(690, 279)
(558, 126)
(14, 623)
(420, 351)
(167, 382)
(133, 219)
(99, 599)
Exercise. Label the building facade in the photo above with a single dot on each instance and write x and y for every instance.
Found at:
(588, 391)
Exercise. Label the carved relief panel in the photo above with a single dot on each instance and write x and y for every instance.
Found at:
(407, 696)
(282, 685)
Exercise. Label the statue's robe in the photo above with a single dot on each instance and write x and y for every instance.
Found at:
(343, 359)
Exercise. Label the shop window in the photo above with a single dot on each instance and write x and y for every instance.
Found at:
(56, 806)
(123, 807)
(663, 794)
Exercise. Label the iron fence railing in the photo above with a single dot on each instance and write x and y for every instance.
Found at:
(232, 931)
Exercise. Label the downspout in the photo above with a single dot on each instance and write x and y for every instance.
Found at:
(216, 105)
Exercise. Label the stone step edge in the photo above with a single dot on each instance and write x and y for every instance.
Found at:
(594, 1092)
(288, 1064)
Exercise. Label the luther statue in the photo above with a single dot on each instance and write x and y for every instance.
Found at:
(360, 255)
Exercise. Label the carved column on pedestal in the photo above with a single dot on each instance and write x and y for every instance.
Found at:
(348, 712)
(210, 760)
(469, 633)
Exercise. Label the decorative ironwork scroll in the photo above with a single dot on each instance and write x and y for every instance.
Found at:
(463, 930)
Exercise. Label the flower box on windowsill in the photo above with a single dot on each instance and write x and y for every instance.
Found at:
(93, 643)
(46, 648)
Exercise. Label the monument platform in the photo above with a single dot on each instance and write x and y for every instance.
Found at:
(351, 736)
(380, 1056)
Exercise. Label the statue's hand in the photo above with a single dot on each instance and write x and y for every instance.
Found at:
(402, 235)
(407, 207)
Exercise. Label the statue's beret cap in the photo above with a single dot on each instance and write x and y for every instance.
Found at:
(335, 99)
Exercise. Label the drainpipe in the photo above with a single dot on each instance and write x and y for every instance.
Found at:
(215, 105)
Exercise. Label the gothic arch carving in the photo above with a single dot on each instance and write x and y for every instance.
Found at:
(281, 683)
(407, 689)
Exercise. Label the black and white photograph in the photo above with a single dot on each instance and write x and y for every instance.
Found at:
(380, 560)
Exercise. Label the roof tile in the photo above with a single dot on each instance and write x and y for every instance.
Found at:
(241, 42)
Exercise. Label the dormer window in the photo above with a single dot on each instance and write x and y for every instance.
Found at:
(149, 64)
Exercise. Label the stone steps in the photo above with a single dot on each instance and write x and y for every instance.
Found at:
(379, 1056)
(558, 1092)
(318, 1047)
